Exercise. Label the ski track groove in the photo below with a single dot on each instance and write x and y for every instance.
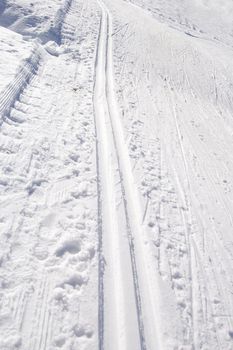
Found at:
(20, 306)
(104, 31)
(129, 232)
(186, 199)
(205, 270)
(23, 310)
(218, 283)
(101, 262)
(123, 164)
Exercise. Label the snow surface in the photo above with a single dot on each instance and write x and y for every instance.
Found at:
(116, 190)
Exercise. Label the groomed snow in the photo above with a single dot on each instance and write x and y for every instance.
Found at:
(116, 190)
(14, 52)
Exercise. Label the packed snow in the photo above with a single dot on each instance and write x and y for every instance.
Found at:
(116, 189)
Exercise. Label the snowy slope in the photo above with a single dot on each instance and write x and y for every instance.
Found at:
(116, 191)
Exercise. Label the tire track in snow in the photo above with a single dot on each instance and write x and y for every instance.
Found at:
(38, 312)
(30, 66)
(143, 273)
(44, 320)
(68, 29)
(18, 85)
(59, 20)
(51, 107)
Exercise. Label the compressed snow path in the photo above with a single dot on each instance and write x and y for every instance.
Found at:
(116, 194)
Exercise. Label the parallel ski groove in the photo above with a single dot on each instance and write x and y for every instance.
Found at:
(101, 262)
(129, 229)
(105, 31)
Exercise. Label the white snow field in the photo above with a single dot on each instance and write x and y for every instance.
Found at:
(116, 163)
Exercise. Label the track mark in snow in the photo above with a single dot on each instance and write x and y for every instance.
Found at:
(46, 153)
(112, 280)
(113, 154)
(22, 79)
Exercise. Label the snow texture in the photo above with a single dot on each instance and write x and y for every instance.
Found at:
(116, 189)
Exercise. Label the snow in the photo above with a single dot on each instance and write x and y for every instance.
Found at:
(14, 52)
(115, 175)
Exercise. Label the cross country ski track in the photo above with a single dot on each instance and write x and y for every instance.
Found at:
(114, 165)
(116, 193)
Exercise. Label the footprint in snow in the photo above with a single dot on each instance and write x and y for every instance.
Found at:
(71, 246)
